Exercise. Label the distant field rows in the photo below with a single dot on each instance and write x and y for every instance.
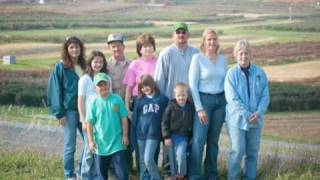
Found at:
(294, 72)
(29, 50)
(306, 127)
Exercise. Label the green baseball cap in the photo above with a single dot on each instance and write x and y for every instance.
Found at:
(180, 25)
(101, 77)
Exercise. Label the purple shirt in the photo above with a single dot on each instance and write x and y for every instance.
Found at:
(136, 69)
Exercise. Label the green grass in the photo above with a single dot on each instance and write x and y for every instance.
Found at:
(27, 115)
(42, 116)
(87, 34)
(29, 165)
(31, 64)
(290, 140)
(47, 62)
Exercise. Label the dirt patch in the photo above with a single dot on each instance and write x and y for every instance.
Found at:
(246, 15)
(295, 1)
(302, 127)
(28, 49)
(168, 23)
(281, 53)
(307, 72)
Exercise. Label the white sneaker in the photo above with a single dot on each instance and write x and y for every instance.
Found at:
(72, 178)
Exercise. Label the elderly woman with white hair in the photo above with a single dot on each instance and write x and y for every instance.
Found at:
(247, 95)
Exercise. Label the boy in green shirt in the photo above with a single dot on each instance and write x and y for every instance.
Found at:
(108, 129)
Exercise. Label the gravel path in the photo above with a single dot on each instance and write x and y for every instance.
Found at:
(49, 140)
(35, 138)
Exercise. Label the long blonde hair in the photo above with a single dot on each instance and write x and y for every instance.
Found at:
(204, 35)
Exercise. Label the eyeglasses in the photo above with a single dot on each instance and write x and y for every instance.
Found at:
(181, 32)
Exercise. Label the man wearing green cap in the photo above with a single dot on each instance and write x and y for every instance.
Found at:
(108, 129)
(173, 65)
(174, 61)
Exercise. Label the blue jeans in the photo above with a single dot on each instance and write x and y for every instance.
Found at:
(148, 166)
(89, 169)
(243, 143)
(69, 142)
(214, 106)
(178, 156)
(118, 160)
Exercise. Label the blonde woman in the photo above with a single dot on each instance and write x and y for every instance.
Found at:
(206, 79)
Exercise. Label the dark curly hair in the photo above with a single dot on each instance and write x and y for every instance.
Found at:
(67, 61)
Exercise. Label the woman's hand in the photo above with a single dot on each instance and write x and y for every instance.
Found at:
(130, 115)
(203, 117)
(167, 142)
(62, 121)
(84, 126)
(253, 118)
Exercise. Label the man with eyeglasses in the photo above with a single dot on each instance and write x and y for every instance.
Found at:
(174, 61)
(173, 67)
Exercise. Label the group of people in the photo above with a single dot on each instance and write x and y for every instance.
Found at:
(180, 98)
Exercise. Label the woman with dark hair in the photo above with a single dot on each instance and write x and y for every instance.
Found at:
(96, 63)
(144, 64)
(62, 97)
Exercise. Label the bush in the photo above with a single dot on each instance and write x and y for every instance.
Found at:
(293, 97)
(284, 96)
(22, 94)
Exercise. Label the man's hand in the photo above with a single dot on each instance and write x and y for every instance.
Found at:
(125, 140)
(92, 147)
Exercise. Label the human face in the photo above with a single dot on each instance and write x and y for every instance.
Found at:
(181, 96)
(117, 50)
(147, 90)
(102, 88)
(147, 50)
(243, 57)
(74, 51)
(211, 42)
(181, 37)
(97, 64)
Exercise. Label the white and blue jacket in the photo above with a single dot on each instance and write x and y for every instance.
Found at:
(241, 104)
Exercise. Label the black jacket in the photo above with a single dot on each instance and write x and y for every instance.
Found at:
(176, 120)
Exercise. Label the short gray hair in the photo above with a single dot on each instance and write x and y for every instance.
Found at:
(241, 44)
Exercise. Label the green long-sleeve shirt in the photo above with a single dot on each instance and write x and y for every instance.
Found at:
(62, 90)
